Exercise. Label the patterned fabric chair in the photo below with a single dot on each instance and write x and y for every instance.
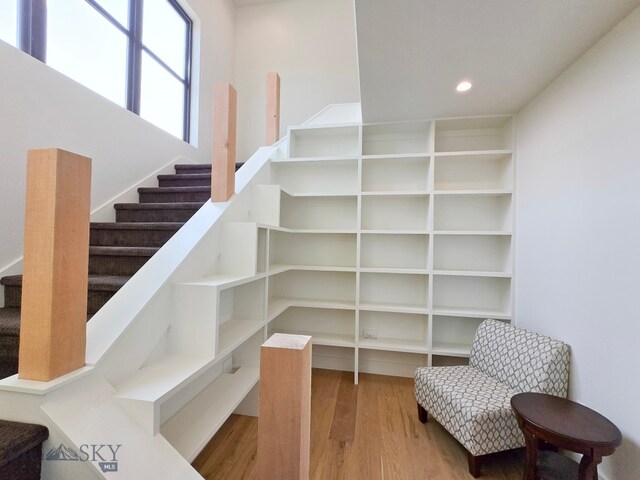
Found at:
(472, 402)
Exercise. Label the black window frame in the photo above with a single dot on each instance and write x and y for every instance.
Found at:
(32, 39)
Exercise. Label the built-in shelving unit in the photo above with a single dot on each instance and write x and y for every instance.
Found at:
(395, 240)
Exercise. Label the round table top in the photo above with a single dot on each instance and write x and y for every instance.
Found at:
(564, 418)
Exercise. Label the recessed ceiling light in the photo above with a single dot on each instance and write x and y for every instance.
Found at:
(464, 86)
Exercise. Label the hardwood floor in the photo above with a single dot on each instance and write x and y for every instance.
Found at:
(365, 432)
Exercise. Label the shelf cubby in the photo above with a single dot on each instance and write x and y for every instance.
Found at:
(482, 212)
(395, 174)
(448, 361)
(473, 134)
(452, 336)
(483, 171)
(312, 288)
(324, 141)
(313, 249)
(326, 326)
(473, 253)
(396, 138)
(394, 251)
(241, 314)
(402, 332)
(471, 296)
(403, 213)
(317, 176)
(390, 362)
(394, 292)
(320, 212)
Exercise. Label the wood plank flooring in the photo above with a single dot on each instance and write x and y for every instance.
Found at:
(365, 432)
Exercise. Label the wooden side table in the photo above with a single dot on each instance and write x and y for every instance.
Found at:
(567, 425)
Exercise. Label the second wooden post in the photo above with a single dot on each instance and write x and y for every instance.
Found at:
(223, 169)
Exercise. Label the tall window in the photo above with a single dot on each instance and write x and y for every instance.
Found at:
(137, 53)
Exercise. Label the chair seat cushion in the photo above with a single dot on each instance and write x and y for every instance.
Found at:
(470, 405)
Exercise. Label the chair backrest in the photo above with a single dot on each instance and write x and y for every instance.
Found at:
(526, 361)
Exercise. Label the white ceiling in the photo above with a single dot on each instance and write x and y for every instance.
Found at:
(413, 53)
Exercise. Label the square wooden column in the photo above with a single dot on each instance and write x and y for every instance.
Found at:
(272, 113)
(56, 264)
(285, 408)
(223, 170)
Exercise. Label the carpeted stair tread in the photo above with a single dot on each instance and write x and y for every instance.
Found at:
(108, 283)
(16, 440)
(174, 226)
(197, 188)
(185, 180)
(123, 251)
(192, 167)
(158, 206)
(10, 321)
(198, 167)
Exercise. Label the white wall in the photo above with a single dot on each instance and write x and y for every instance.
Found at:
(578, 232)
(41, 108)
(311, 44)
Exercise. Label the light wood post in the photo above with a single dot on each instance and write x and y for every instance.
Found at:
(56, 264)
(272, 117)
(223, 170)
(285, 408)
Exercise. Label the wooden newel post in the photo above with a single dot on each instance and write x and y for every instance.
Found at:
(223, 169)
(272, 114)
(285, 408)
(56, 264)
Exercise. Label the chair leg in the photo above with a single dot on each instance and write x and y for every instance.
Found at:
(423, 416)
(474, 464)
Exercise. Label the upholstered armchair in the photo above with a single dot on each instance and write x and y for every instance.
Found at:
(472, 402)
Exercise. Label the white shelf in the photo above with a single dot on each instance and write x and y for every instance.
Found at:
(395, 232)
(275, 269)
(487, 192)
(398, 193)
(451, 349)
(393, 308)
(322, 158)
(473, 153)
(278, 305)
(160, 379)
(401, 271)
(473, 232)
(234, 332)
(393, 345)
(196, 423)
(471, 273)
(471, 312)
(324, 339)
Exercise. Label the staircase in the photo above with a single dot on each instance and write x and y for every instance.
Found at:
(118, 249)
